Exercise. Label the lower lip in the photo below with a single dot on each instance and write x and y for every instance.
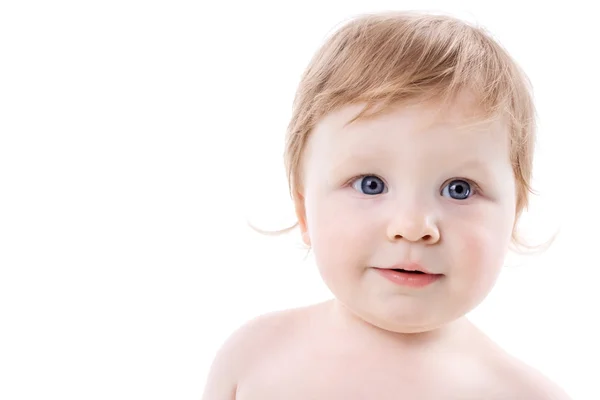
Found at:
(409, 279)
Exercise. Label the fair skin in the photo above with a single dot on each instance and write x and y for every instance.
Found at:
(411, 185)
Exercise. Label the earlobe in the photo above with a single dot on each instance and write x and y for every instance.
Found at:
(306, 238)
(301, 216)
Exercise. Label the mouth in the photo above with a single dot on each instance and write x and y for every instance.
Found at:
(410, 268)
(409, 276)
(409, 272)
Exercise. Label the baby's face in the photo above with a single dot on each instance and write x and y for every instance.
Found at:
(408, 188)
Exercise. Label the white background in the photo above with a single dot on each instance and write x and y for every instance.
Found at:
(137, 139)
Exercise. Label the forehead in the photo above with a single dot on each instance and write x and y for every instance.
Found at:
(409, 131)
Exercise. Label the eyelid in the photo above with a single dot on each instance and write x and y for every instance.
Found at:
(357, 177)
(475, 188)
(352, 182)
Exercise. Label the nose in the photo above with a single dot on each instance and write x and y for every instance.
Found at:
(414, 227)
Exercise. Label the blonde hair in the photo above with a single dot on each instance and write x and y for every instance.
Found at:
(389, 58)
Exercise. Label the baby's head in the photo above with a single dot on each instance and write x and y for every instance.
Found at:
(410, 146)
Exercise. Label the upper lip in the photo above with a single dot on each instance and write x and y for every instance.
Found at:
(410, 267)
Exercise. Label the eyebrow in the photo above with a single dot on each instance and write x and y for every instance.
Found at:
(479, 168)
(474, 163)
(353, 160)
(348, 162)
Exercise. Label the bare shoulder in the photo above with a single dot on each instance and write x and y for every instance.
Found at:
(517, 380)
(246, 346)
(503, 376)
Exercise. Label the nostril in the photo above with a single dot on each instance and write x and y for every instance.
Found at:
(425, 238)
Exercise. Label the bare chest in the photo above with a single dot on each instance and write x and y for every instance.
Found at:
(354, 377)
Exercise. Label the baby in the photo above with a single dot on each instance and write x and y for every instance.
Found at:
(409, 157)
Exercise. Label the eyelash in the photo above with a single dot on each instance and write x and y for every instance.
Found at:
(476, 190)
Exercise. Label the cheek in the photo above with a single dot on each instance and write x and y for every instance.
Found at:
(337, 233)
(479, 256)
(483, 249)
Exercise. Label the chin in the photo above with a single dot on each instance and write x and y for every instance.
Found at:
(405, 327)
(408, 319)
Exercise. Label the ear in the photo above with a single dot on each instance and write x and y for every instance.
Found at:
(300, 206)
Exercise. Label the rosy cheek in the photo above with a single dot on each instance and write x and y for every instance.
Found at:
(483, 257)
(334, 231)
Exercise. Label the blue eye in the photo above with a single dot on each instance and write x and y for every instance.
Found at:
(369, 184)
(457, 189)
